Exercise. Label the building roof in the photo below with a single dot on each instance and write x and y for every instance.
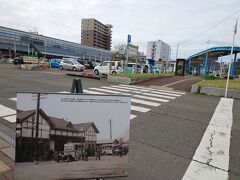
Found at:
(56, 123)
(85, 126)
(213, 53)
(108, 141)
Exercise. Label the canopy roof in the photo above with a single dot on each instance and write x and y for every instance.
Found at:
(213, 53)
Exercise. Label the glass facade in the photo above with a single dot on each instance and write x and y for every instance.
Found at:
(11, 39)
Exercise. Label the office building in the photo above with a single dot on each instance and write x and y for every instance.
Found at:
(15, 43)
(96, 34)
(158, 51)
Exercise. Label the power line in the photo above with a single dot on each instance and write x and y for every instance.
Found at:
(212, 27)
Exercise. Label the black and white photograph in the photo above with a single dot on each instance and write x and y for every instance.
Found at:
(71, 136)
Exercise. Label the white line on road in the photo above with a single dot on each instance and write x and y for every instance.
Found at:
(13, 99)
(159, 95)
(108, 91)
(5, 111)
(145, 102)
(211, 159)
(91, 92)
(132, 116)
(148, 93)
(150, 98)
(151, 89)
(140, 109)
(11, 118)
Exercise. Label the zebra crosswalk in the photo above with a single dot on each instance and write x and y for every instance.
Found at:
(143, 99)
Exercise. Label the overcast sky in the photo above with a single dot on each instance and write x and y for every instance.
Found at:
(172, 21)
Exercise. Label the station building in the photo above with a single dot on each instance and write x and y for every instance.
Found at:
(15, 43)
(53, 133)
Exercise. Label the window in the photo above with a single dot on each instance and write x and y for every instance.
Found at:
(104, 64)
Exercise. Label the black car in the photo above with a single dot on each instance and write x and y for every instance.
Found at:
(87, 64)
(18, 60)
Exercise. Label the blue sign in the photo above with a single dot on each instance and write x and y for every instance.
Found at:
(129, 39)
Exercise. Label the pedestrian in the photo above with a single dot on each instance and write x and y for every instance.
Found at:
(36, 156)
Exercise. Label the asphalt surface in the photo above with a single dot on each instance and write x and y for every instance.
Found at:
(162, 140)
(182, 83)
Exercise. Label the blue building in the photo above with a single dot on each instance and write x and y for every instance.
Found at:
(15, 43)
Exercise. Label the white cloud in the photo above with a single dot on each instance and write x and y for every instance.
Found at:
(171, 21)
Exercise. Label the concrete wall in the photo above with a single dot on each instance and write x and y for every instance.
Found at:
(232, 93)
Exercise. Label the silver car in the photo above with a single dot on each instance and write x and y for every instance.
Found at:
(70, 64)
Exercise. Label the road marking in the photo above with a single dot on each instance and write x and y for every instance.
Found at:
(63, 92)
(150, 98)
(140, 109)
(11, 119)
(13, 99)
(159, 95)
(91, 92)
(148, 93)
(132, 116)
(151, 89)
(132, 99)
(116, 88)
(213, 150)
(165, 93)
(145, 102)
(5, 111)
(109, 91)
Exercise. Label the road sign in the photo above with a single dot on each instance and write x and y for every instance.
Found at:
(129, 39)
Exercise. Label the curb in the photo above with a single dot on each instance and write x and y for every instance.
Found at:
(78, 75)
(212, 91)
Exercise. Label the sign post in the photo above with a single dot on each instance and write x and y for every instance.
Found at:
(230, 61)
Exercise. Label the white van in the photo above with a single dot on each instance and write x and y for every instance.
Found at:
(107, 67)
(73, 151)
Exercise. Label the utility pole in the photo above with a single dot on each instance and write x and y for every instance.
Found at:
(177, 52)
(126, 63)
(37, 120)
(45, 48)
(230, 61)
(110, 123)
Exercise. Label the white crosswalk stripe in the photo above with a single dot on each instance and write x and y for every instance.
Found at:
(5, 111)
(149, 103)
(151, 98)
(139, 91)
(13, 99)
(11, 118)
(132, 116)
(151, 89)
(140, 109)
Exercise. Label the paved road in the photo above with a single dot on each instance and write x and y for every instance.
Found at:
(182, 83)
(166, 127)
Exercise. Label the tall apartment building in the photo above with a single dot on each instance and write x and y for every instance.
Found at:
(158, 51)
(96, 34)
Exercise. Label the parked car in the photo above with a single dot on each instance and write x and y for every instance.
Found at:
(55, 63)
(71, 64)
(156, 69)
(108, 66)
(133, 68)
(18, 60)
(87, 64)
